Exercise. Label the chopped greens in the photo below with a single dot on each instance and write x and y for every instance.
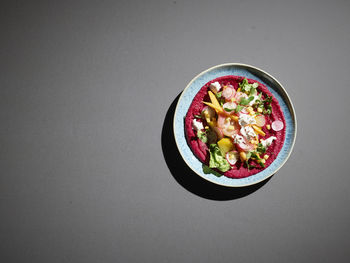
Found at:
(250, 166)
(255, 85)
(217, 160)
(254, 155)
(264, 105)
(238, 108)
(253, 91)
(249, 89)
(268, 99)
(245, 101)
(202, 135)
(257, 158)
(261, 149)
(223, 124)
(244, 85)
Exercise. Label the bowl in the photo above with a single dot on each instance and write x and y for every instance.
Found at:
(248, 71)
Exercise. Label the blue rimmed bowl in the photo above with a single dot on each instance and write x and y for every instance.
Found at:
(247, 71)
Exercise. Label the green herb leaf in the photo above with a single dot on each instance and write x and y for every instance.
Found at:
(228, 110)
(238, 108)
(207, 170)
(249, 89)
(260, 163)
(268, 111)
(245, 101)
(243, 83)
(265, 104)
(249, 166)
(254, 155)
(261, 149)
(253, 91)
(268, 99)
(197, 116)
(218, 94)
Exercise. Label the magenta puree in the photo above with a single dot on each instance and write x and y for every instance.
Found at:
(200, 149)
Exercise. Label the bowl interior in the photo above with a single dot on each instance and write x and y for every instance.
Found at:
(248, 71)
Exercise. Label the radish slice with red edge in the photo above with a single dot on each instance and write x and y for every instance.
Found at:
(243, 111)
(232, 157)
(229, 107)
(245, 147)
(260, 120)
(240, 95)
(230, 128)
(229, 132)
(277, 125)
(228, 93)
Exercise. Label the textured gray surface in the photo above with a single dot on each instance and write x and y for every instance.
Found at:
(85, 89)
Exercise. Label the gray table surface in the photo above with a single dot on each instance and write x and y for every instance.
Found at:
(89, 170)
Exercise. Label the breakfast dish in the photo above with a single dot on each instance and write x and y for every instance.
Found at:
(235, 126)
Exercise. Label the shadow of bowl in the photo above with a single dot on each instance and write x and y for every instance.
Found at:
(189, 179)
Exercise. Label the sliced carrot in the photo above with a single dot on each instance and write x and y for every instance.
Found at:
(259, 130)
(217, 108)
(214, 99)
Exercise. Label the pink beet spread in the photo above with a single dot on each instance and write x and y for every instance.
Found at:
(201, 150)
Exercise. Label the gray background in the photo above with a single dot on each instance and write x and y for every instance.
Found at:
(89, 171)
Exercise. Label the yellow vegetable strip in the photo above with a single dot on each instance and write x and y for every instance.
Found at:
(218, 109)
(214, 99)
(258, 130)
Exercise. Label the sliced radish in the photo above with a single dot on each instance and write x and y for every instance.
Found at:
(227, 125)
(229, 92)
(277, 125)
(246, 147)
(229, 107)
(240, 95)
(218, 132)
(260, 120)
(243, 145)
(243, 111)
(232, 157)
(230, 130)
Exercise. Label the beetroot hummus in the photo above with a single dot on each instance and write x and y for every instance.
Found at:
(242, 129)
